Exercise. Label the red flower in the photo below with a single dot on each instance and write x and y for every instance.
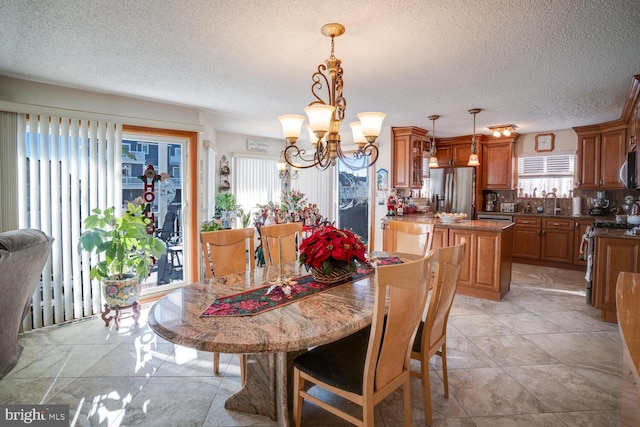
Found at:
(328, 248)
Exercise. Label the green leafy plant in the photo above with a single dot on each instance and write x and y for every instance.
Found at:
(211, 225)
(122, 243)
(225, 202)
(245, 217)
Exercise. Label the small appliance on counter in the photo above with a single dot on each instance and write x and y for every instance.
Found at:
(598, 204)
(509, 207)
(490, 202)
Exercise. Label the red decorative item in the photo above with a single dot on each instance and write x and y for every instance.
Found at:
(330, 248)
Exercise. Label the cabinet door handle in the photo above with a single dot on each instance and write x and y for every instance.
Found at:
(526, 222)
(555, 224)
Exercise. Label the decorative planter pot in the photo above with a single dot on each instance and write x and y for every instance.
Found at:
(121, 293)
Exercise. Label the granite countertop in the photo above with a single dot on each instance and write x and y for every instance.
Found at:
(616, 233)
(479, 225)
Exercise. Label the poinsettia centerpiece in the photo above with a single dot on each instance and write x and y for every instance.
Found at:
(329, 248)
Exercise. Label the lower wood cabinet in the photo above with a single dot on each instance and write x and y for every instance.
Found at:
(526, 237)
(486, 270)
(612, 255)
(556, 243)
(543, 238)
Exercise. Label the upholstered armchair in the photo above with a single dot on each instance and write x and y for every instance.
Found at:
(23, 254)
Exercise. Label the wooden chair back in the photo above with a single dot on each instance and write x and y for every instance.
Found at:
(410, 237)
(285, 237)
(225, 251)
(431, 338)
(388, 356)
(380, 355)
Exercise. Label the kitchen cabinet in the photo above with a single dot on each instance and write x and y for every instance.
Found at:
(556, 243)
(527, 237)
(498, 165)
(408, 145)
(549, 238)
(612, 255)
(601, 153)
(440, 238)
(453, 154)
(486, 269)
(580, 226)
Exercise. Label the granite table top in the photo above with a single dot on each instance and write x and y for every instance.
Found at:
(315, 320)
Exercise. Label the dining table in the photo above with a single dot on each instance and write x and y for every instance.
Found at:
(270, 339)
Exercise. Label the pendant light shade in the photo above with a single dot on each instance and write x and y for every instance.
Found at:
(473, 157)
(433, 160)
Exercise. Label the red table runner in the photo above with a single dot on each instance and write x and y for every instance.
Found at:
(256, 301)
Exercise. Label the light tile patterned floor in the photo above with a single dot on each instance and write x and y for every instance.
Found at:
(540, 357)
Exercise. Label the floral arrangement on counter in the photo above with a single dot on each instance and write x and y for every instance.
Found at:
(293, 207)
(329, 248)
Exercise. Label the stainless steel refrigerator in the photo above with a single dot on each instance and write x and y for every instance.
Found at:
(453, 190)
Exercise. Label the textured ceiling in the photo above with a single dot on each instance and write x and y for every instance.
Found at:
(543, 65)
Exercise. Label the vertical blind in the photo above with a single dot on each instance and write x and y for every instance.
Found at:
(66, 168)
(256, 181)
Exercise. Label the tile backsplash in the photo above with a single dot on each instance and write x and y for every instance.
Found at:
(615, 197)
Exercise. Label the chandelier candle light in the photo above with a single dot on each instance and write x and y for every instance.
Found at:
(325, 116)
(473, 157)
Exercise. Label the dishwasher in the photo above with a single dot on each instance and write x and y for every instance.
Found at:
(495, 217)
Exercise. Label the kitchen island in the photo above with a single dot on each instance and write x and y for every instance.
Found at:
(486, 270)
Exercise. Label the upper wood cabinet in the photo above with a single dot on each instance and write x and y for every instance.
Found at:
(601, 153)
(498, 166)
(453, 152)
(408, 145)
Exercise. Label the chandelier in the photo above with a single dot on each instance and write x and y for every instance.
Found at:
(325, 116)
(433, 160)
(473, 157)
(502, 130)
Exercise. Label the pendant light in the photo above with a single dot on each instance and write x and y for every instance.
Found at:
(473, 157)
(433, 160)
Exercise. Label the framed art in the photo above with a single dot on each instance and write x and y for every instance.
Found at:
(545, 142)
(382, 180)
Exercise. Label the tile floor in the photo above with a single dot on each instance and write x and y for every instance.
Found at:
(540, 357)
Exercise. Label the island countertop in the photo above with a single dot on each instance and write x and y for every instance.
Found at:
(467, 224)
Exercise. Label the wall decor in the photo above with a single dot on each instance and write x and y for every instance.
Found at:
(545, 142)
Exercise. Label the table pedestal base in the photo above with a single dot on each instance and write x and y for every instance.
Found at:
(268, 388)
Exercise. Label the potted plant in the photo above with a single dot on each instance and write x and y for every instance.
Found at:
(226, 207)
(126, 252)
(331, 253)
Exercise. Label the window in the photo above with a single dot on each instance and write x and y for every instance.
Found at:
(538, 174)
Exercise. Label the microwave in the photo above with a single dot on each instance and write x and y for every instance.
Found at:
(630, 171)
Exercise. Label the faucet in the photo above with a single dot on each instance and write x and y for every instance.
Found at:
(555, 201)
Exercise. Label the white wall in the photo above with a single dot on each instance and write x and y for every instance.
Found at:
(565, 140)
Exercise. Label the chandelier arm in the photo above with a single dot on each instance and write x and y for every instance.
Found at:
(317, 85)
(292, 151)
(358, 159)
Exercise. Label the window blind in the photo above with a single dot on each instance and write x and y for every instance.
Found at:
(67, 167)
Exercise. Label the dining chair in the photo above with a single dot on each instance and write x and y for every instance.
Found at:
(225, 252)
(410, 237)
(370, 364)
(431, 338)
(281, 236)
